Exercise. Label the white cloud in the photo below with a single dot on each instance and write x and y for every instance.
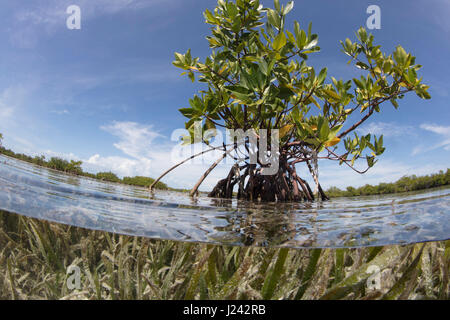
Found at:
(13, 99)
(442, 131)
(445, 131)
(10, 99)
(22, 145)
(53, 12)
(135, 139)
(440, 87)
(47, 18)
(119, 165)
(67, 156)
(386, 129)
(5, 111)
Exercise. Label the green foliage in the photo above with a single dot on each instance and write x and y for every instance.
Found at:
(107, 176)
(143, 182)
(61, 164)
(58, 164)
(257, 77)
(406, 183)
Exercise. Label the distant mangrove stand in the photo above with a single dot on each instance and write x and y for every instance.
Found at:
(404, 184)
(74, 167)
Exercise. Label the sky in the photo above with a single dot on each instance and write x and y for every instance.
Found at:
(107, 94)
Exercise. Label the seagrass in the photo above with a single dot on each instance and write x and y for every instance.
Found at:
(35, 255)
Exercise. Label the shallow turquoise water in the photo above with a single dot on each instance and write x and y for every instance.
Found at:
(345, 222)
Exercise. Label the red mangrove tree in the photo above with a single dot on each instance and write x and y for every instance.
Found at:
(257, 79)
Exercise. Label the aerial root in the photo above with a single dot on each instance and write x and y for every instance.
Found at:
(283, 186)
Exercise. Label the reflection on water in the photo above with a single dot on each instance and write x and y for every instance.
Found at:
(345, 222)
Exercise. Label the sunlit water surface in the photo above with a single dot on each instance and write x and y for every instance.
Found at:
(37, 192)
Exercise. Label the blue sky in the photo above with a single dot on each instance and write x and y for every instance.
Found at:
(108, 94)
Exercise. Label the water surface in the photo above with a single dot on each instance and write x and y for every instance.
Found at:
(46, 194)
